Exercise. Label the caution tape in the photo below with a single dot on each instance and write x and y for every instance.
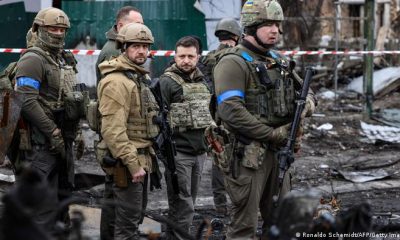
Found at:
(168, 53)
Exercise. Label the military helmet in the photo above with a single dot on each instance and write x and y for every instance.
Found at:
(134, 33)
(229, 25)
(31, 38)
(255, 12)
(50, 16)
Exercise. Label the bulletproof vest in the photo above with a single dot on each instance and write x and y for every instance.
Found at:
(192, 112)
(140, 120)
(60, 80)
(270, 96)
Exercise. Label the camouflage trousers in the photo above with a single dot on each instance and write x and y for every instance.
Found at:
(127, 220)
(181, 206)
(252, 191)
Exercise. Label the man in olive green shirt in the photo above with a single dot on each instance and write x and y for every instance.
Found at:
(255, 89)
(186, 96)
(125, 15)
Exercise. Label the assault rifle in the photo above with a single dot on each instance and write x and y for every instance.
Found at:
(285, 155)
(164, 144)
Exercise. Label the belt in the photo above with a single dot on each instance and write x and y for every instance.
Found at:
(143, 151)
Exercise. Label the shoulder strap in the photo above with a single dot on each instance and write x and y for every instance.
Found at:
(175, 77)
(42, 53)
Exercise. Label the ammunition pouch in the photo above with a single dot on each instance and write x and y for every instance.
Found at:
(93, 115)
(253, 155)
(74, 106)
(102, 152)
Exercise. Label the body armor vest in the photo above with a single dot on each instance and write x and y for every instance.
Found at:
(271, 93)
(192, 112)
(57, 89)
(140, 120)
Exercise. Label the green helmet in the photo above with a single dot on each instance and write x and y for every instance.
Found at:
(255, 12)
(228, 25)
(134, 33)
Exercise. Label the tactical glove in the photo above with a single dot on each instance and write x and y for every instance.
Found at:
(309, 108)
(279, 135)
(155, 175)
(57, 144)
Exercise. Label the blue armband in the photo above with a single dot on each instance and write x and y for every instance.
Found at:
(27, 81)
(228, 94)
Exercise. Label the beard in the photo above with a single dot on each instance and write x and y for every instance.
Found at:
(187, 68)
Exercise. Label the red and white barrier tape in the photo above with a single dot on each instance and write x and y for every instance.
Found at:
(164, 53)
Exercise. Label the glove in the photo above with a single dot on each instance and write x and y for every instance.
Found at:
(309, 108)
(155, 175)
(280, 135)
(57, 143)
(80, 145)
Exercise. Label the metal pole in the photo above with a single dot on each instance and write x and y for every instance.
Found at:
(368, 59)
(337, 6)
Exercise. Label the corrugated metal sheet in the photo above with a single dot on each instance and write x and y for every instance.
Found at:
(14, 24)
(168, 19)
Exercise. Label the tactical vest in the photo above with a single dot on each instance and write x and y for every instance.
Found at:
(140, 120)
(57, 89)
(192, 112)
(271, 93)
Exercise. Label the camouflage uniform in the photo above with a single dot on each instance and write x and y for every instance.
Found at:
(46, 80)
(258, 117)
(190, 144)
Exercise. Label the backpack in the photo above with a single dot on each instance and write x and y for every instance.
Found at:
(7, 81)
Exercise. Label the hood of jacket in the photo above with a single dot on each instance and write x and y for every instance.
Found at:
(121, 63)
(111, 34)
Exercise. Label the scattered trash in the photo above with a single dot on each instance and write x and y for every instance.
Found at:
(378, 132)
(327, 95)
(364, 176)
(325, 127)
(385, 80)
(7, 178)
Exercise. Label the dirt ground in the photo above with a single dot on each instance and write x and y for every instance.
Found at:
(323, 156)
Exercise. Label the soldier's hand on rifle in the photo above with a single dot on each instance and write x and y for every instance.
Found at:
(309, 108)
(57, 143)
(280, 134)
(139, 175)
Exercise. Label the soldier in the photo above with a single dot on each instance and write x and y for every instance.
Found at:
(51, 109)
(228, 33)
(125, 15)
(255, 89)
(186, 96)
(127, 108)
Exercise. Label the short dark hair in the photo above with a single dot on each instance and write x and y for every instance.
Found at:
(124, 11)
(188, 41)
